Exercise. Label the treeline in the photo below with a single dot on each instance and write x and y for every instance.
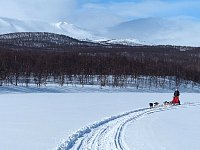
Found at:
(148, 66)
(41, 58)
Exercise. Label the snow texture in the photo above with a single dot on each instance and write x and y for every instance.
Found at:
(108, 134)
(41, 121)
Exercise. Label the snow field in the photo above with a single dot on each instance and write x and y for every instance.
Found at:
(108, 133)
(170, 130)
(46, 121)
(43, 121)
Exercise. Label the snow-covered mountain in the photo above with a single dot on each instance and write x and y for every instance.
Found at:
(146, 31)
(129, 42)
(141, 28)
(158, 31)
(8, 25)
(71, 30)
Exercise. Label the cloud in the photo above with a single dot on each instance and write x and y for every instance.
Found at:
(94, 17)
(97, 15)
(37, 9)
(155, 8)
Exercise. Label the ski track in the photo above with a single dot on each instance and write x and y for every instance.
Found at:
(108, 133)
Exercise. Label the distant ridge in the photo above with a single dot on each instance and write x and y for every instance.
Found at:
(52, 41)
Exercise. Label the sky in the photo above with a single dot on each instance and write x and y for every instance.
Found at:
(96, 15)
(93, 13)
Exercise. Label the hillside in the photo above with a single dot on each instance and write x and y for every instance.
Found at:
(37, 57)
(40, 40)
(52, 41)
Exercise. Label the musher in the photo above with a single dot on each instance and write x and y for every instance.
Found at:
(176, 100)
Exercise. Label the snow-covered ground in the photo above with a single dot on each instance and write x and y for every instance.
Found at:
(168, 130)
(42, 121)
(76, 88)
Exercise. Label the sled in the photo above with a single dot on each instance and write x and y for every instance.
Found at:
(166, 103)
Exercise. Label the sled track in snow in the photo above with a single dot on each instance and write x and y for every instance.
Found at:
(108, 134)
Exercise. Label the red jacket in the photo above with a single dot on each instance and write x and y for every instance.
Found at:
(175, 100)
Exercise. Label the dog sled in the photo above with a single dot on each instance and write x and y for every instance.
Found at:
(166, 103)
(175, 101)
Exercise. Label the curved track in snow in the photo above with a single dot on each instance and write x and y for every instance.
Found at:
(108, 134)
